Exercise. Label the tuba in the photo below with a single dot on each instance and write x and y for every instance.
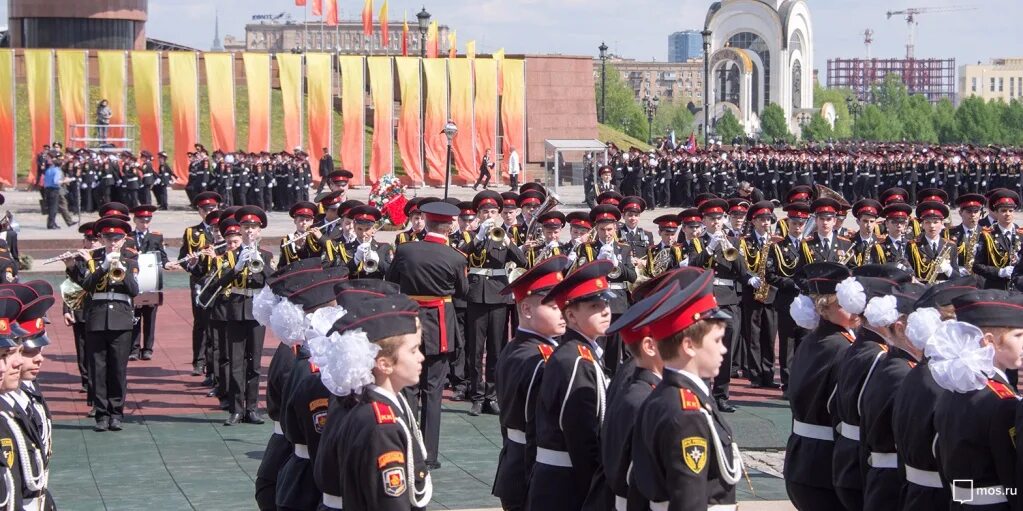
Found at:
(72, 294)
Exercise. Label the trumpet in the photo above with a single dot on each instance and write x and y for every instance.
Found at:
(728, 251)
(498, 234)
(117, 270)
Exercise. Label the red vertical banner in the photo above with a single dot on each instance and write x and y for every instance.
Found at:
(463, 146)
(73, 84)
(409, 78)
(485, 107)
(319, 75)
(184, 88)
(8, 136)
(513, 110)
(220, 91)
(367, 17)
(257, 79)
(353, 115)
(317, 7)
(331, 19)
(39, 81)
(145, 75)
(436, 74)
(113, 87)
(381, 86)
(289, 69)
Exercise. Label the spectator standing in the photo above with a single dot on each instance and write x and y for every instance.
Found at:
(103, 115)
(514, 167)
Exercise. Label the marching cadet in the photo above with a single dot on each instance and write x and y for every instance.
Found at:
(570, 405)
(824, 245)
(372, 258)
(462, 235)
(629, 230)
(604, 183)
(683, 453)
(894, 245)
(519, 372)
(74, 317)
(143, 240)
(798, 193)
(460, 238)
(967, 233)
(1000, 244)
(416, 221)
(163, 179)
(243, 275)
(515, 232)
(579, 230)
(866, 246)
(330, 206)
(737, 209)
(720, 256)
(487, 314)
(108, 277)
(898, 195)
(976, 419)
(431, 273)
(195, 239)
(550, 245)
(337, 181)
(656, 261)
(205, 266)
(840, 228)
(10, 378)
(383, 464)
(528, 202)
(307, 242)
(759, 317)
(148, 178)
(808, 453)
(932, 257)
(691, 237)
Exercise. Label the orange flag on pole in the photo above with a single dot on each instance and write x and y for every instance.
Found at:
(332, 13)
(299, 3)
(317, 7)
(367, 18)
(385, 36)
(432, 41)
(452, 45)
(404, 37)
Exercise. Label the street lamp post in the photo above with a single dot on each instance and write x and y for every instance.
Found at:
(706, 85)
(650, 108)
(424, 23)
(603, 81)
(450, 130)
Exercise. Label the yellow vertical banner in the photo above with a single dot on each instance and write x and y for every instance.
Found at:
(184, 88)
(257, 79)
(513, 109)
(289, 69)
(74, 92)
(381, 86)
(463, 146)
(408, 117)
(8, 136)
(220, 87)
(485, 107)
(113, 73)
(319, 73)
(145, 75)
(39, 80)
(436, 117)
(353, 112)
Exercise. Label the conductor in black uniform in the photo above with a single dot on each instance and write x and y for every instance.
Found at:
(431, 272)
(108, 277)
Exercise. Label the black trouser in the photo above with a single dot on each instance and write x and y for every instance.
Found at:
(145, 196)
(51, 197)
(427, 398)
(484, 179)
(789, 335)
(218, 364)
(160, 192)
(731, 340)
(200, 319)
(759, 325)
(486, 330)
(145, 329)
(83, 362)
(456, 376)
(107, 351)
(812, 498)
(245, 350)
(514, 178)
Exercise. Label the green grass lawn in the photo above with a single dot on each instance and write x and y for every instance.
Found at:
(623, 141)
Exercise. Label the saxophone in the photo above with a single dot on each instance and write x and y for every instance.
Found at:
(943, 257)
(764, 290)
(970, 249)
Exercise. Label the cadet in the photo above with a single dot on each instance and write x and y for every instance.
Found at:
(550, 244)
(108, 278)
(637, 238)
(967, 233)
(74, 316)
(307, 241)
(519, 372)
(825, 245)
(759, 317)
(372, 258)
(431, 273)
(866, 247)
(164, 178)
(10, 378)
(1000, 244)
(932, 257)
(515, 231)
(570, 406)
(195, 239)
(460, 238)
(684, 454)
(144, 240)
(665, 255)
(416, 222)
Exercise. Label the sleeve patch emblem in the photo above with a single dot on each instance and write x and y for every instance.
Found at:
(694, 453)
(7, 449)
(389, 458)
(394, 481)
(318, 403)
(320, 421)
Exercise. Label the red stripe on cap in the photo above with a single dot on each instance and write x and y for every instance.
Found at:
(485, 202)
(437, 218)
(581, 223)
(970, 204)
(547, 281)
(88, 232)
(668, 225)
(679, 321)
(113, 230)
(869, 210)
(895, 197)
(369, 217)
(304, 212)
(553, 222)
(144, 214)
(233, 229)
(897, 214)
(340, 179)
(510, 203)
(32, 326)
(713, 210)
(825, 209)
(692, 220)
(935, 198)
(467, 212)
(606, 216)
(738, 207)
(250, 218)
(799, 214)
(929, 212)
(611, 201)
(1005, 200)
(585, 288)
(799, 196)
(529, 201)
(762, 211)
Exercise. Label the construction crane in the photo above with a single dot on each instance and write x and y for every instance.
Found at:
(868, 39)
(912, 12)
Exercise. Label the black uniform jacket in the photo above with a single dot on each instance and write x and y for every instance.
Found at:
(624, 274)
(913, 424)
(616, 434)
(724, 270)
(103, 312)
(489, 254)
(883, 484)
(854, 365)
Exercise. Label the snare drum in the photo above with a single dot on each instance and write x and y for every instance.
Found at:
(150, 279)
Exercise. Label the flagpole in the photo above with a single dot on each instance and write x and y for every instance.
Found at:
(305, 26)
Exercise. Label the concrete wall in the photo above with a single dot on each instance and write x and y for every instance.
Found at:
(560, 101)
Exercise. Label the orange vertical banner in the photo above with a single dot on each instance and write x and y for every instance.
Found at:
(289, 68)
(220, 92)
(432, 41)
(8, 137)
(353, 111)
(257, 79)
(39, 80)
(331, 18)
(463, 146)
(184, 88)
(145, 75)
(381, 82)
(408, 117)
(73, 87)
(318, 76)
(485, 107)
(513, 109)
(113, 75)
(436, 117)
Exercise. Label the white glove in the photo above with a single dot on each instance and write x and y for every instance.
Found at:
(1005, 272)
(572, 256)
(715, 240)
(755, 282)
(684, 262)
(484, 230)
(946, 268)
(108, 259)
(607, 252)
(244, 258)
(552, 244)
(372, 256)
(360, 252)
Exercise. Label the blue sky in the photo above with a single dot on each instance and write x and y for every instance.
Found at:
(635, 28)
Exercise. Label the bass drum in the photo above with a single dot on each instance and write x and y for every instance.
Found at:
(150, 279)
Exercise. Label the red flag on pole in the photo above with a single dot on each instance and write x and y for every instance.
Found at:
(385, 36)
(367, 18)
(332, 13)
(317, 7)
(299, 3)
(404, 37)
